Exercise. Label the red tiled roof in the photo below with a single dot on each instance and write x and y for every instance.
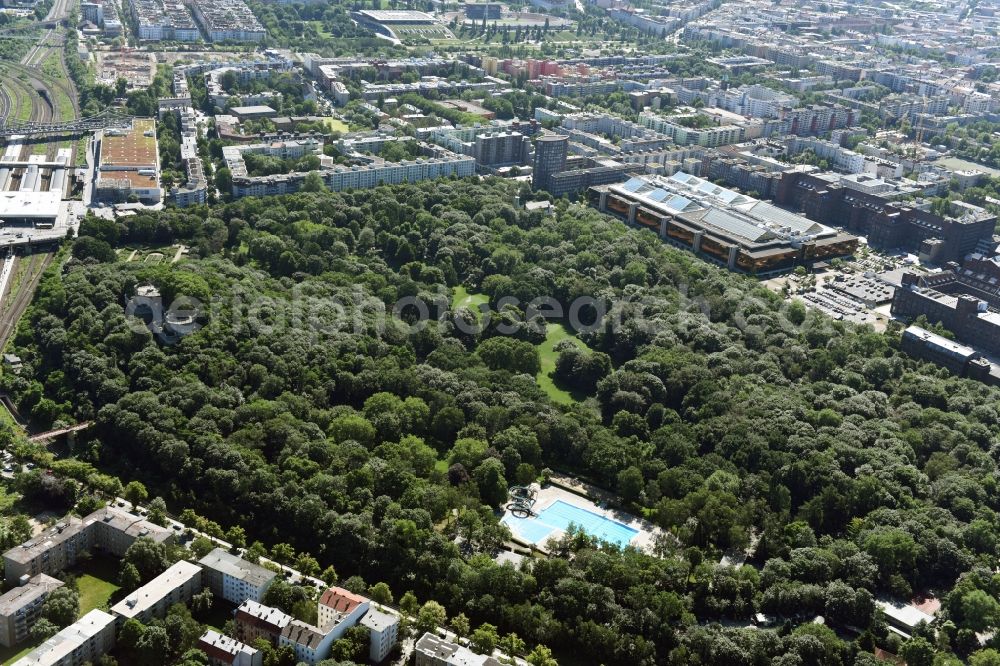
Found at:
(341, 600)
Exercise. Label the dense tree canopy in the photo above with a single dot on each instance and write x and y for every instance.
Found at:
(852, 470)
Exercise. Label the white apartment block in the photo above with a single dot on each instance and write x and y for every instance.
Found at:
(434, 651)
(174, 586)
(84, 641)
(383, 628)
(227, 21)
(233, 578)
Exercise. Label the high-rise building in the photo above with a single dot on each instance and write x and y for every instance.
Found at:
(550, 158)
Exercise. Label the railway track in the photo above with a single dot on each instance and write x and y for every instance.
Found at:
(11, 310)
(41, 110)
(13, 95)
(6, 103)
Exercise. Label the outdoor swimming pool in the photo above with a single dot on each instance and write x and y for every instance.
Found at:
(559, 515)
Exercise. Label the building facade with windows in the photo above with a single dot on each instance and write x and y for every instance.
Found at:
(21, 607)
(84, 641)
(233, 578)
(110, 530)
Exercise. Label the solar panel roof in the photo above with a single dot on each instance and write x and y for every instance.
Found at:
(633, 184)
(736, 226)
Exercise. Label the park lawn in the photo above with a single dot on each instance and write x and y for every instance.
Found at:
(463, 298)
(337, 125)
(554, 334)
(96, 580)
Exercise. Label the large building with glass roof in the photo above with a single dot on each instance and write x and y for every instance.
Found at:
(740, 232)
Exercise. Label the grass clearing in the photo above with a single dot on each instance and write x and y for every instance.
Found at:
(337, 125)
(554, 334)
(463, 298)
(96, 580)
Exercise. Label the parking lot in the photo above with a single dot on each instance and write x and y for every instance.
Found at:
(858, 290)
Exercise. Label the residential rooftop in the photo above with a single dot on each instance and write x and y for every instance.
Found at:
(14, 600)
(262, 615)
(218, 646)
(59, 647)
(302, 633)
(152, 592)
(235, 566)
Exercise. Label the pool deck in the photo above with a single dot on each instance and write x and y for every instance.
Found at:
(549, 494)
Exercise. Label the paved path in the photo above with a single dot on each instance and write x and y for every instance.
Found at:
(61, 431)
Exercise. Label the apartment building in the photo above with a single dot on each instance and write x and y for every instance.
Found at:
(708, 137)
(339, 178)
(227, 21)
(84, 641)
(569, 88)
(497, 149)
(233, 578)
(432, 650)
(194, 190)
(158, 20)
(174, 586)
(22, 606)
(840, 158)
(285, 150)
(311, 644)
(653, 25)
(425, 86)
(750, 178)
(383, 633)
(110, 530)
(93, 12)
(226, 651)
(340, 609)
(255, 620)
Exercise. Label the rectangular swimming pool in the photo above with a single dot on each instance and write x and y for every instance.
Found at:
(559, 515)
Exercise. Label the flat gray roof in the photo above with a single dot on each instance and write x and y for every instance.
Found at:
(149, 594)
(232, 565)
(35, 546)
(378, 620)
(16, 599)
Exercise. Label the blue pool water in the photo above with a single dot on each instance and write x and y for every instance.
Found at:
(559, 515)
